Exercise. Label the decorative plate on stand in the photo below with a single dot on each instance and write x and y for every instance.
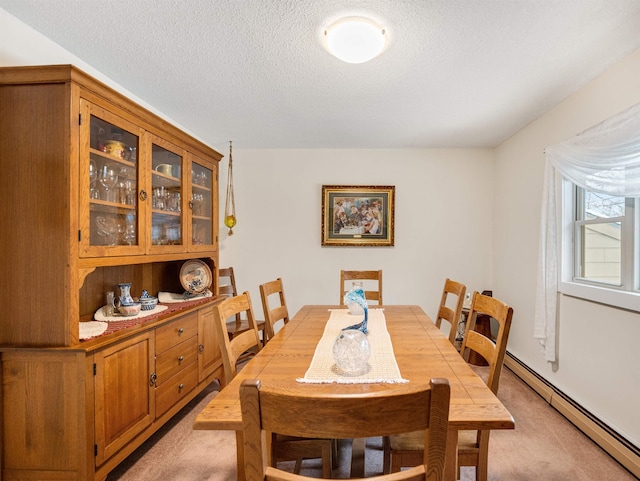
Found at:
(195, 277)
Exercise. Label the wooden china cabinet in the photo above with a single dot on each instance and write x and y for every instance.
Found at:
(96, 191)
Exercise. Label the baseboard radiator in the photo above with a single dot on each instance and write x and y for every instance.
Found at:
(622, 450)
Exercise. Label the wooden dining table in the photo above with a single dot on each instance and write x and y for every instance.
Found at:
(422, 352)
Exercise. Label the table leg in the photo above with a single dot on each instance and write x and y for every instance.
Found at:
(451, 461)
(241, 475)
(357, 457)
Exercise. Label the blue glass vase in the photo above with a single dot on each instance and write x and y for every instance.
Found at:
(357, 304)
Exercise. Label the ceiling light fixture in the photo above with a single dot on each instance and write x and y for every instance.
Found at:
(355, 39)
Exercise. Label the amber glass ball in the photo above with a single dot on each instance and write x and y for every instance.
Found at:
(230, 221)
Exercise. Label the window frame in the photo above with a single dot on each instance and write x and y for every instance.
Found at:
(624, 296)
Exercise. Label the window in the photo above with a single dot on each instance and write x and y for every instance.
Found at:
(601, 258)
(599, 219)
(604, 158)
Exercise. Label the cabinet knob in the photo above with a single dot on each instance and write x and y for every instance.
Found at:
(180, 331)
(190, 205)
(152, 379)
(201, 348)
(180, 387)
(143, 194)
(180, 359)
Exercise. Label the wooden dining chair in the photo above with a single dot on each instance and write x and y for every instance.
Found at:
(369, 294)
(227, 287)
(235, 348)
(473, 446)
(331, 415)
(227, 282)
(288, 448)
(279, 312)
(452, 316)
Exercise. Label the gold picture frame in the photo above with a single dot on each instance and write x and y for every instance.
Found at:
(358, 215)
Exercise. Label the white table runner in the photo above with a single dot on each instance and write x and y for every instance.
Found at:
(383, 367)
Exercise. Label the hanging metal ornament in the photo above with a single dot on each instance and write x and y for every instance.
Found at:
(230, 206)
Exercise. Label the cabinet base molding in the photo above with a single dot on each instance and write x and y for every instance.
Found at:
(32, 475)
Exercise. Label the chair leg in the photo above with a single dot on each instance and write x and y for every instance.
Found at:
(327, 460)
(386, 455)
(396, 464)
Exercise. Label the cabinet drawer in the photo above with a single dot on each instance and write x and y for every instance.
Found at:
(175, 388)
(175, 359)
(176, 331)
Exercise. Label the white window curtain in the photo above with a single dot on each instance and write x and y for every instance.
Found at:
(605, 159)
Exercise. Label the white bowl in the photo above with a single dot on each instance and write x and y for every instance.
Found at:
(129, 310)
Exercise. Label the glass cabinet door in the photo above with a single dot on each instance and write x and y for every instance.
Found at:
(203, 197)
(167, 227)
(109, 184)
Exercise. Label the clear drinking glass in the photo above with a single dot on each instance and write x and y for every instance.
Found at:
(107, 310)
(93, 176)
(108, 179)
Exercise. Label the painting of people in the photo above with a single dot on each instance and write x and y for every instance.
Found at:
(357, 215)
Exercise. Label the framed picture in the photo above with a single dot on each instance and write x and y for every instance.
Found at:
(357, 215)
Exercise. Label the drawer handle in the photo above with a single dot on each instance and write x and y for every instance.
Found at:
(180, 387)
(180, 331)
(180, 359)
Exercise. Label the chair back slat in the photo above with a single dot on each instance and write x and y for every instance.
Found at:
(369, 293)
(452, 316)
(227, 282)
(227, 285)
(273, 314)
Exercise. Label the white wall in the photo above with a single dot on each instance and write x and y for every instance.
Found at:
(446, 225)
(596, 343)
(443, 225)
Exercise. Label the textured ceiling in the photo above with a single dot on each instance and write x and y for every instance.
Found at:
(457, 73)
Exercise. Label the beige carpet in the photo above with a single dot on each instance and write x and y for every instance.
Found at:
(544, 446)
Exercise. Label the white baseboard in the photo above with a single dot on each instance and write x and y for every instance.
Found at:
(604, 437)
